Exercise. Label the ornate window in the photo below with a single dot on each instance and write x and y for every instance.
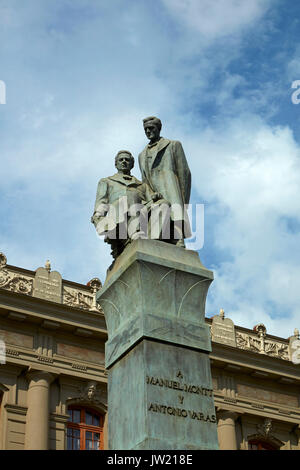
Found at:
(260, 444)
(84, 429)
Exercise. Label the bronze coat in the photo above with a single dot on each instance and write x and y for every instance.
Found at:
(112, 191)
(167, 172)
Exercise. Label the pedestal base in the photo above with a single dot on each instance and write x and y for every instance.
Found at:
(160, 397)
(159, 380)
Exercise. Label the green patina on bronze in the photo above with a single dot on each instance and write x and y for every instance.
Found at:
(159, 379)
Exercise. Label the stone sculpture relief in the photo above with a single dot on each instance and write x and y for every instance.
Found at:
(23, 284)
(257, 343)
(13, 282)
(93, 394)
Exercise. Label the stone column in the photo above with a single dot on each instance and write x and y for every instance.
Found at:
(157, 355)
(37, 421)
(226, 430)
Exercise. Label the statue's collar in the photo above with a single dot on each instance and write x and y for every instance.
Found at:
(150, 146)
(161, 144)
(123, 178)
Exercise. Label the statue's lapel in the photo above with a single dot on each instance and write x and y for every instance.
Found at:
(161, 145)
(144, 157)
(120, 179)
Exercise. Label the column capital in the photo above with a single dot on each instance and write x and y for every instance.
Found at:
(227, 414)
(37, 374)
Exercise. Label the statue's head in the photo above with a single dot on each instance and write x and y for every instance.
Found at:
(91, 391)
(152, 127)
(124, 161)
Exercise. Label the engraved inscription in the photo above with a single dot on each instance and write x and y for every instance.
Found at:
(180, 398)
(222, 330)
(181, 412)
(48, 285)
(179, 386)
(183, 387)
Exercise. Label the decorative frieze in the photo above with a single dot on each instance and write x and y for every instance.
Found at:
(224, 331)
(79, 367)
(75, 298)
(21, 284)
(46, 359)
(257, 406)
(80, 299)
(48, 285)
(261, 345)
(230, 400)
(12, 352)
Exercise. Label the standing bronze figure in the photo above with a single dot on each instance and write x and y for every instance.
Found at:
(165, 169)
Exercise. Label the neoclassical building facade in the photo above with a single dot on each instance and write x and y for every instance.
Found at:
(53, 382)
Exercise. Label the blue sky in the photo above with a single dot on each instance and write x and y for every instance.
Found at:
(81, 75)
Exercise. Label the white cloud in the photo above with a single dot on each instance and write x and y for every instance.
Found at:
(218, 18)
(249, 175)
(79, 95)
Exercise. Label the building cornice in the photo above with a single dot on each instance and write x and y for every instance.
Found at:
(249, 362)
(39, 310)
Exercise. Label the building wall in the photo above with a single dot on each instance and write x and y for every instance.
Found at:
(54, 335)
(55, 358)
(66, 386)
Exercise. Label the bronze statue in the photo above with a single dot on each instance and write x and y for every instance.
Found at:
(165, 169)
(119, 198)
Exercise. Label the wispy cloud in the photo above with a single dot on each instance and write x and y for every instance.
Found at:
(80, 77)
(219, 18)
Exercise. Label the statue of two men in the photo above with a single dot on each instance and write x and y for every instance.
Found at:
(166, 184)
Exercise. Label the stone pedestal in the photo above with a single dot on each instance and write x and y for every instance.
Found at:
(159, 379)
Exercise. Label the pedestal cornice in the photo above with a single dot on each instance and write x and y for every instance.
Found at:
(156, 291)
